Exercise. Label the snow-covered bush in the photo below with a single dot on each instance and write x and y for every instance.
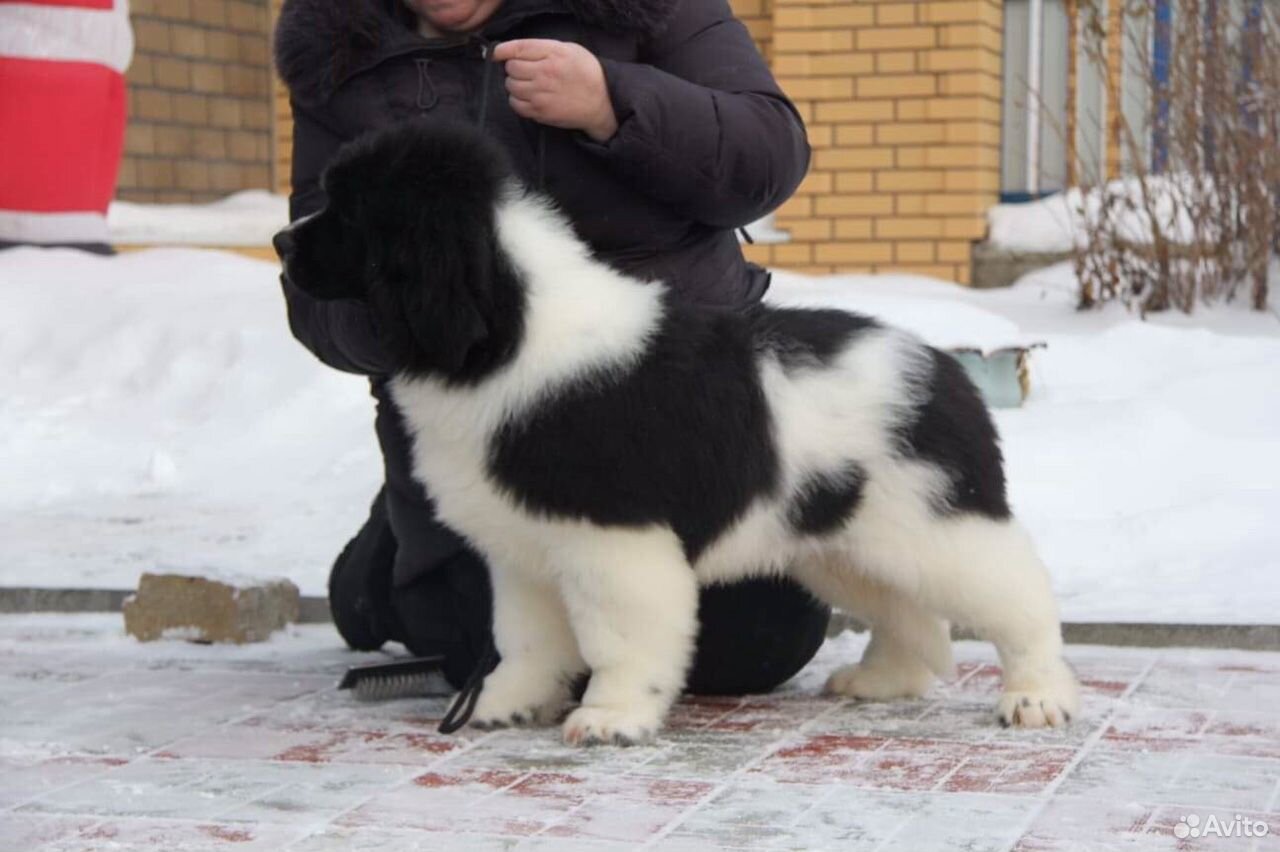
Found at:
(1197, 219)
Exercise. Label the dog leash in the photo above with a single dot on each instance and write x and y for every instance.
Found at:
(464, 704)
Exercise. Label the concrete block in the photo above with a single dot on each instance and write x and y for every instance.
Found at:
(202, 609)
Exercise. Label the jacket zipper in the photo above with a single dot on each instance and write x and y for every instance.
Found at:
(422, 47)
(427, 95)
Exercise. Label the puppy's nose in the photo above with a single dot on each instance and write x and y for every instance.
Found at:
(283, 242)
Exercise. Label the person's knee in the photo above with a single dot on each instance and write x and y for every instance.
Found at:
(447, 610)
(755, 635)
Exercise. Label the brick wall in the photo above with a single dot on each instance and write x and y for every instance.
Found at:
(902, 101)
(282, 122)
(758, 16)
(200, 116)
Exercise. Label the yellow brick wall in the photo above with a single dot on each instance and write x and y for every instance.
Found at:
(199, 124)
(902, 102)
(281, 123)
(758, 16)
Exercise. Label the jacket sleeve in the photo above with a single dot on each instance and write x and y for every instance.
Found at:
(340, 332)
(702, 124)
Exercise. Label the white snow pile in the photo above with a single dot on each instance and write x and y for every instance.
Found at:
(251, 218)
(247, 218)
(155, 414)
(1060, 222)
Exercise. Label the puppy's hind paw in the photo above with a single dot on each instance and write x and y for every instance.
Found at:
(589, 726)
(870, 683)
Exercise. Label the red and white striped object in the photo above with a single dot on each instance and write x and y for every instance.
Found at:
(62, 116)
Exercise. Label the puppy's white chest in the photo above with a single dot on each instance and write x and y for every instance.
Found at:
(450, 436)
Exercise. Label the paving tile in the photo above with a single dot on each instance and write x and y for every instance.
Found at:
(620, 820)
(445, 802)
(339, 839)
(108, 744)
(22, 781)
(909, 823)
(1079, 823)
(37, 831)
(146, 834)
(753, 801)
(1175, 778)
(708, 754)
(543, 750)
(1009, 769)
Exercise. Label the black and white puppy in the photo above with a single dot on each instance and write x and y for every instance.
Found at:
(608, 449)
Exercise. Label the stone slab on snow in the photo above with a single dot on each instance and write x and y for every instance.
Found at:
(202, 609)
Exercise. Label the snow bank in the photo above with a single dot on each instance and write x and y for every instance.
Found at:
(251, 218)
(156, 414)
(248, 218)
(1058, 223)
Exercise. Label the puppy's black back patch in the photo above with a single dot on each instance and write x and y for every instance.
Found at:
(825, 501)
(683, 438)
(953, 430)
(805, 337)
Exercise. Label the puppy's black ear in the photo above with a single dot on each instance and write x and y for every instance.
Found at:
(450, 313)
(437, 295)
(442, 288)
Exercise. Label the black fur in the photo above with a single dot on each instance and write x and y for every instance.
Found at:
(318, 43)
(685, 438)
(828, 500)
(410, 228)
(953, 430)
(806, 337)
(648, 17)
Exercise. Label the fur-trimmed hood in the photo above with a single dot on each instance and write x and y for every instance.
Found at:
(319, 43)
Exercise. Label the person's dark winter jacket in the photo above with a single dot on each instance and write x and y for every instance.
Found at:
(706, 142)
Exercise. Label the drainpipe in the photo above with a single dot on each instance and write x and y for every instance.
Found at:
(1035, 25)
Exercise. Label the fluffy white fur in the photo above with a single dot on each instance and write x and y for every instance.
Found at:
(569, 596)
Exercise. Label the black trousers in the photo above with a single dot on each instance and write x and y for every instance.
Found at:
(753, 634)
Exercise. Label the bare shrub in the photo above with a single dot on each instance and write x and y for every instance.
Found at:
(1195, 218)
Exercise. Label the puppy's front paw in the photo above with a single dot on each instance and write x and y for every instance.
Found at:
(609, 726)
(1050, 699)
(510, 697)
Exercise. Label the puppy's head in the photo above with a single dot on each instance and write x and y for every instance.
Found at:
(410, 227)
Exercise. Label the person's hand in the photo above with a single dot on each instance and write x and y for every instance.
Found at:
(558, 83)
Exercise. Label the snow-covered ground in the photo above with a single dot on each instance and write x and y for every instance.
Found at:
(155, 413)
(247, 218)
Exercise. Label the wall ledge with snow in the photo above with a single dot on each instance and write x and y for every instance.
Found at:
(245, 219)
